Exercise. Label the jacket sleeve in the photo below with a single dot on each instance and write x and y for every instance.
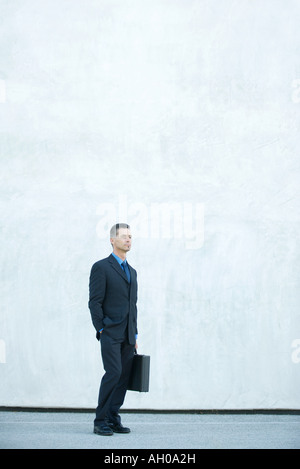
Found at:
(97, 287)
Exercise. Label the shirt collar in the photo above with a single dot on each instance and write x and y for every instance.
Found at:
(118, 258)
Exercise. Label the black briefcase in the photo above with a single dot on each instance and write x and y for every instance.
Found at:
(140, 371)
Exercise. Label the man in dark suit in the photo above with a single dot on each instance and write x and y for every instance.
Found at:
(112, 303)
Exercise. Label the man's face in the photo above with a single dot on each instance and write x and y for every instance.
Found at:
(122, 241)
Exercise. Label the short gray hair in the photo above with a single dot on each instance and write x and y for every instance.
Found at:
(114, 231)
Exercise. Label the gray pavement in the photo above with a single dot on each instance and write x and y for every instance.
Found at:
(74, 430)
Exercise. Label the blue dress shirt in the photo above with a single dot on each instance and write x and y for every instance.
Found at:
(121, 262)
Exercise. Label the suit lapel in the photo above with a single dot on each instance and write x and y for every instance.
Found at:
(115, 265)
(131, 272)
(132, 277)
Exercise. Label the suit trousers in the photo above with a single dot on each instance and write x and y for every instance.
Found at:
(117, 357)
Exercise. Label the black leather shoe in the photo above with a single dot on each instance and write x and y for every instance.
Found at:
(103, 430)
(118, 428)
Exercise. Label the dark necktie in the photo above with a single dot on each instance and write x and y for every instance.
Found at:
(126, 270)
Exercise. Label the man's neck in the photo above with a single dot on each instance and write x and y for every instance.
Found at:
(120, 254)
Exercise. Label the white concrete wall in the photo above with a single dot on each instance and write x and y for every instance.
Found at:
(116, 109)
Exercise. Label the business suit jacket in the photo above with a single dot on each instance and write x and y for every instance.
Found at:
(112, 299)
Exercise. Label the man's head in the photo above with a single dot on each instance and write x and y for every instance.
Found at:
(120, 238)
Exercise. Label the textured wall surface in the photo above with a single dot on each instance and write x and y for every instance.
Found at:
(181, 118)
